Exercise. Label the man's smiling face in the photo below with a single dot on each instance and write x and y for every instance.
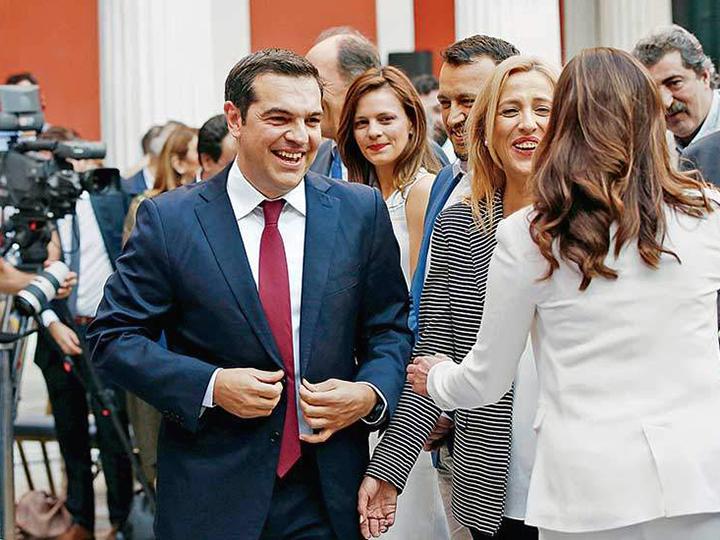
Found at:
(280, 135)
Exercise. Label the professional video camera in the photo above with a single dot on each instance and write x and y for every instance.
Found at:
(37, 177)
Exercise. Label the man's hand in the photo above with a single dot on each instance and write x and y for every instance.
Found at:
(442, 429)
(248, 392)
(377, 503)
(66, 338)
(419, 369)
(12, 280)
(331, 405)
(67, 286)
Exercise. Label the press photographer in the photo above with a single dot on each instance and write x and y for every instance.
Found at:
(67, 207)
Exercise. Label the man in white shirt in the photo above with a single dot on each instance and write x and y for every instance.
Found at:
(91, 243)
(285, 311)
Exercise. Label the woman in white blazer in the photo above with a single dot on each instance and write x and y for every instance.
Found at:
(614, 271)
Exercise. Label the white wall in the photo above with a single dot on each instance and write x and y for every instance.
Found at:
(395, 26)
(612, 23)
(533, 26)
(164, 59)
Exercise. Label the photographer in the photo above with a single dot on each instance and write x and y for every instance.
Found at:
(89, 242)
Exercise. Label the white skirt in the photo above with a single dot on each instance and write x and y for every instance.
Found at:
(694, 527)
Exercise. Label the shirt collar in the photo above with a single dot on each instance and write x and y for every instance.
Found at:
(245, 198)
(458, 167)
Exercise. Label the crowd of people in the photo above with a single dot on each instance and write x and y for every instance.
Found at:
(356, 304)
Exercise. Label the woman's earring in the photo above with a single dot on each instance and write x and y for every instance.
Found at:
(486, 142)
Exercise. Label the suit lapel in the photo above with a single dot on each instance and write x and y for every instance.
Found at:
(320, 232)
(217, 220)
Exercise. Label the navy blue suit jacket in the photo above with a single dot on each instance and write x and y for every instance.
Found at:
(441, 190)
(135, 184)
(184, 271)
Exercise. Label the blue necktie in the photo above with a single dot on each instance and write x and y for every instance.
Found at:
(74, 262)
(335, 164)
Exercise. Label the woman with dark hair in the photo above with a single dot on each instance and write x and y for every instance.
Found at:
(614, 270)
(383, 142)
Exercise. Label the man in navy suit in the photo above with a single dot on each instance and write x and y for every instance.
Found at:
(283, 302)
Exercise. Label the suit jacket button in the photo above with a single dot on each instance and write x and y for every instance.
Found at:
(275, 437)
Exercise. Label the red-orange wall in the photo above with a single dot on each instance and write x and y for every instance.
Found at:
(295, 25)
(56, 40)
(434, 27)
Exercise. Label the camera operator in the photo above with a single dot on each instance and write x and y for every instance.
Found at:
(89, 242)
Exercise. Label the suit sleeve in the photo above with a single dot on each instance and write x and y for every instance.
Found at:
(383, 342)
(416, 415)
(123, 338)
(488, 370)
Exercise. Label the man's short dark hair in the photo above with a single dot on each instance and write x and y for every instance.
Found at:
(239, 83)
(424, 84)
(150, 134)
(471, 48)
(17, 78)
(356, 54)
(211, 135)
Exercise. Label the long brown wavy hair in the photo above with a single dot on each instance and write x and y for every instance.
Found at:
(486, 170)
(605, 160)
(416, 154)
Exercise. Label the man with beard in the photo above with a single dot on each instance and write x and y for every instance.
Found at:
(467, 65)
(687, 81)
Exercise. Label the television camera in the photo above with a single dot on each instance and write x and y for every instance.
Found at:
(37, 177)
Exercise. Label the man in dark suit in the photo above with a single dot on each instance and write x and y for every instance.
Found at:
(284, 307)
(704, 155)
(341, 55)
(91, 241)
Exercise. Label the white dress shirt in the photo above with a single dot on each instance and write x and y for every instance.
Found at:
(629, 371)
(245, 201)
(95, 267)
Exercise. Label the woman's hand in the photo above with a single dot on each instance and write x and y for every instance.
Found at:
(419, 369)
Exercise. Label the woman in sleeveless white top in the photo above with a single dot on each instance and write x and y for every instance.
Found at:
(396, 204)
(383, 142)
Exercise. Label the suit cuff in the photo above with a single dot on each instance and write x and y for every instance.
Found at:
(374, 419)
(48, 317)
(208, 402)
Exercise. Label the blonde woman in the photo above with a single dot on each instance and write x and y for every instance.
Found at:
(493, 445)
(177, 165)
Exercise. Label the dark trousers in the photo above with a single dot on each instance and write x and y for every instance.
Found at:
(297, 511)
(510, 529)
(69, 402)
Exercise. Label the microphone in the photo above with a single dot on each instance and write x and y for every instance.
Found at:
(34, 298)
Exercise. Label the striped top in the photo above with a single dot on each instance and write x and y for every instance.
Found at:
(451, 309)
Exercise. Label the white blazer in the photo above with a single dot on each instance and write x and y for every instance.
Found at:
(629, 412)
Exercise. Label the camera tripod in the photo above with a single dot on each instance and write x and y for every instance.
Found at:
(12, 358)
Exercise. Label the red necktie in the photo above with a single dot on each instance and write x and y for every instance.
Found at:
(274, 289)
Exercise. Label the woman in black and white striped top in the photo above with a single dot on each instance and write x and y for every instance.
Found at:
(489, 482)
